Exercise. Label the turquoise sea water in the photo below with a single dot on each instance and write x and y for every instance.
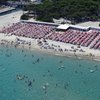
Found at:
(64, 78)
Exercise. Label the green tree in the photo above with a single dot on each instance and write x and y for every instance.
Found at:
(75, 10)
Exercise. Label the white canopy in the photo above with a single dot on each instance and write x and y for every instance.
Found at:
(33, 0)
(63, 27)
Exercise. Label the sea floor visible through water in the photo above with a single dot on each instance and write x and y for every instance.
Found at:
(31, 75)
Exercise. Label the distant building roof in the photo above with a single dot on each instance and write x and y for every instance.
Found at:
(79, 27)
(61, 20)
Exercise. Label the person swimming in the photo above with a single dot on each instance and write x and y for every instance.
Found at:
(38, 60)
(33, 80)
(19, 77)
(48, 71)
(61, 67)
(92, 70)
(30, 83)
(60, 61)
(32, 56)
(66, 85)
(45, 86)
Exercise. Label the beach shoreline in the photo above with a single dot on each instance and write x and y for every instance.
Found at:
(51, 47)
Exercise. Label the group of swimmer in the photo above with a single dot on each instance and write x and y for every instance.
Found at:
(23, 77)
(30, 82)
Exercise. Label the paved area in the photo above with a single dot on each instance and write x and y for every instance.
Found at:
(90, 23)
(10, 18)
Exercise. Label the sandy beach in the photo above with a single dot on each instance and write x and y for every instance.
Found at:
(50, 47)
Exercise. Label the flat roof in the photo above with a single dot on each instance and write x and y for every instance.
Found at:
(64, 27)
(79, 27)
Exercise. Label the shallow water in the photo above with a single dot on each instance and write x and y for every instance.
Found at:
(64, 78)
